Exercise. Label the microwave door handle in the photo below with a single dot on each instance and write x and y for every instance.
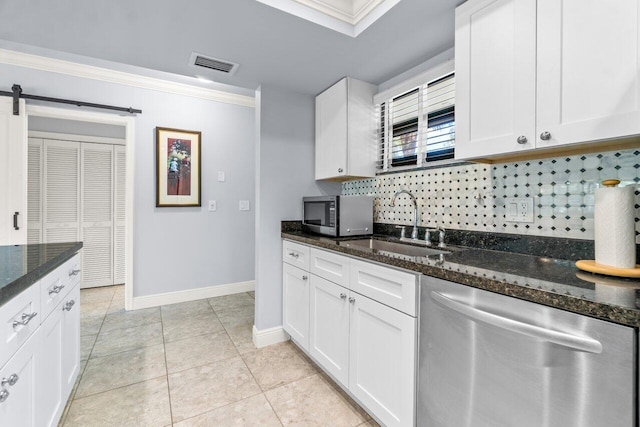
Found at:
(575, 342)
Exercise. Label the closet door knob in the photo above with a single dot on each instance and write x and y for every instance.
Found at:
(522, 140)
(545, 136)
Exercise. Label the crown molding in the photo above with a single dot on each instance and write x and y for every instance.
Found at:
(76, 69)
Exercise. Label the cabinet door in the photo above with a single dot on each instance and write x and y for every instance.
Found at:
(17, 408)
(70, 340)
(495, 77)
(62, 191)
(382, 360)
(295, 305)
(329, 328)
(331, 131)
(13, 173)
(34, 191)
(588, 75)
(49, 401)
(97, 214)
(119, 201)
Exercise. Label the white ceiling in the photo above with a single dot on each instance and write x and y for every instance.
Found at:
(272, 47)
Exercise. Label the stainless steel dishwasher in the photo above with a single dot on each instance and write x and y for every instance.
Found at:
(491, 360)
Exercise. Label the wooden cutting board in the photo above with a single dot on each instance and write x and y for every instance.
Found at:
(593, 267)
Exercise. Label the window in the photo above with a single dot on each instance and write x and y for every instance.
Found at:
(417, 126)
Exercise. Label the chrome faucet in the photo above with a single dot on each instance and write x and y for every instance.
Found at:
(414, 232)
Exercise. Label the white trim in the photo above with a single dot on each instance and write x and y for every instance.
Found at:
(191, 295)
(431, 74)
(75, 137)
(129, 123)
(350, 24)
(269, 336)
(27, 60)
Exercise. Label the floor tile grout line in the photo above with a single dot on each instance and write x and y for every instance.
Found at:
(118, 387)
(166, 367)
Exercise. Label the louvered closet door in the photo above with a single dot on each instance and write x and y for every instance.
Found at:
(34, 190)
(120, 180)
(61, 207)
(97, 214)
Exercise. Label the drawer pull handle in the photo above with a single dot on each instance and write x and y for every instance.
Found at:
(56, 289)
(4, 395)
(343, 295)
(68, 305)
(12, 380)
(294, 255)
(352, 300)
(74, 272)
(26, 318)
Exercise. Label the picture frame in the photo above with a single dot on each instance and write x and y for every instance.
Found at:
(178, 167)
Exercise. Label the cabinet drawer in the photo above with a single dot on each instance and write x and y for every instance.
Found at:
(24, 310)
(295, 254)
(55, 286)
(70, 271)
(330, 266)
(394, 288)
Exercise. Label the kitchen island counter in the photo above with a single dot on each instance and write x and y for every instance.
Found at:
(23, 265)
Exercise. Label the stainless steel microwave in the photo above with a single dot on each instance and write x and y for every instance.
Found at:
(338, 216)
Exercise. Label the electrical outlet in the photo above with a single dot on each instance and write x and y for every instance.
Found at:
(519, 209)
(244, 205)
(212, 205)
(221, 176)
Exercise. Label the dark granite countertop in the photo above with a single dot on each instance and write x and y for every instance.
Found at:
(23, 265)
(549, 281)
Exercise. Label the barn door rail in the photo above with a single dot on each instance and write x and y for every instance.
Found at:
(16, 94)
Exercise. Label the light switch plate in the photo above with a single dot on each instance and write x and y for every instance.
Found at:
(221, 176)
(244, 205)
(518, 209)
(212, 205)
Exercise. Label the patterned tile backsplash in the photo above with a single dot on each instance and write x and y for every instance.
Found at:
(472, 196)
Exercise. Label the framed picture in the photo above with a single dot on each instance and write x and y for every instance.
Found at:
(177, 167)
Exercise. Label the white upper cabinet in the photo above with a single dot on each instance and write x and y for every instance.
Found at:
(540, 74)
(588, 73)
(495, 77)
(345, 131)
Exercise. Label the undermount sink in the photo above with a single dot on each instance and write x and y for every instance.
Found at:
(382, 246)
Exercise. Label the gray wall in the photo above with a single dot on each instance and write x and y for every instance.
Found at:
(284, 174)
(177, 248)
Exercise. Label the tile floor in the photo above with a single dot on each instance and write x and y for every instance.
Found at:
(194, 364)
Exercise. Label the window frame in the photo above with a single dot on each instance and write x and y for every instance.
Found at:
(383, 102)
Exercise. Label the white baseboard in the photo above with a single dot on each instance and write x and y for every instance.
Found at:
(269, 336)
(191, 294)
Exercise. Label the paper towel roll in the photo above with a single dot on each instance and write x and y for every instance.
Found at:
(614, 223)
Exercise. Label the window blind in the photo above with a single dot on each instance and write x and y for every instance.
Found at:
(417, 126)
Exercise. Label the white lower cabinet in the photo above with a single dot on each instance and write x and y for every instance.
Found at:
(329, 321)
(49, 401)
(37, 380)
(17, 401)
(70, 308)
(295, 293)
(382, 371)
(366, 346)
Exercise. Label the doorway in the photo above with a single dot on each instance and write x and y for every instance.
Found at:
(85, 182)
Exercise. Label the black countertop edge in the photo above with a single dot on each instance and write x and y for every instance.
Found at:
(604, 311)
(38, 261)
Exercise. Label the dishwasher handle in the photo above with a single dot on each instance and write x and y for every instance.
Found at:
(575, 342)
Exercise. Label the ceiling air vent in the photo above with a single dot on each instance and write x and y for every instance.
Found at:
(215, 64)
